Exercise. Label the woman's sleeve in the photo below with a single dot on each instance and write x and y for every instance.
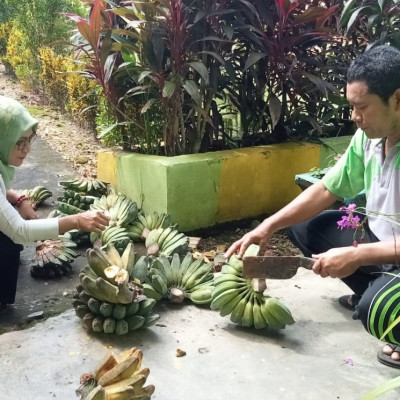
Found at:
(21, 231)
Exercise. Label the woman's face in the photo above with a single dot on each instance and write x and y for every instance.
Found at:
(21, 149)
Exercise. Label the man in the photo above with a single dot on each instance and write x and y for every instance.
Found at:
(371, 163)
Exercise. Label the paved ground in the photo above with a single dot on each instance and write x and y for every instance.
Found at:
(324, 355)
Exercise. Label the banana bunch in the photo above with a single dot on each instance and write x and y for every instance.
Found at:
(147, 222)
(235, 296)
(86, 186)
(68, 209)
(78, 236)
(107, 300)
(113, 318)
(117, 378)
(53, 257)
(116, 235)
(76, 199)
(176, 280)
(166, 241)
(121, 210)
(37, 195)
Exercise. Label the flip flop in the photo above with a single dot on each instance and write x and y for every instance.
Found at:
(387, 359)
(349, 305)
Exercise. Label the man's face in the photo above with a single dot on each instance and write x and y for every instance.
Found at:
(371, 114)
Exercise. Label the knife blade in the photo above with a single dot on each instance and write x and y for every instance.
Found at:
(275, 267)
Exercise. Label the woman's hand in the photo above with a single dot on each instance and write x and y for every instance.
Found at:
(92, 221)
(336, 263)
(26, 210)
(88, 221)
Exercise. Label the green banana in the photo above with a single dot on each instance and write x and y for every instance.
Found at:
(153, 236)
(194, 265)
(124, 294)
(222, 298)
(279, 310)
(121, 327)
(109, 325)
(179, 246)
(185, 264)
(152, 293)
(94, 305)
(145, 306)
(229, 306)
(119, 311)
(106, 309)
(175, 269)
(237, 312)
(128, 258)
(150, 319)
(225, 277)
(90, 286)
(197, 275)
(236, 263)
(258, 318)
(226, 285)
(228, 269)
(159, 284)
(135, 322)
(202, 296)
(132, 308)
(164, 235)
(108, 291)
(247, 317)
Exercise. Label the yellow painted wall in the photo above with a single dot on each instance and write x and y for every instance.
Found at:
(260, 180)
(107, 167)
(201, 190)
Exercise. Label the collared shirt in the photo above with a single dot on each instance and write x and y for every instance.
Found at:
(19, 230)
(364, 167)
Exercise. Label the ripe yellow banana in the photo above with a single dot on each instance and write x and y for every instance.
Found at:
(121, 371)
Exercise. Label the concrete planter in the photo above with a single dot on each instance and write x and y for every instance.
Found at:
(201, 190)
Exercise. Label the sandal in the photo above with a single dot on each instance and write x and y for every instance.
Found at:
(349, 301)
(387, 359)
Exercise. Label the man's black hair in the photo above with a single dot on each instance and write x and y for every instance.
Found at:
(379, 68)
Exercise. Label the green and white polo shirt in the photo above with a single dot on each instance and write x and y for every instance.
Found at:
(363, 167)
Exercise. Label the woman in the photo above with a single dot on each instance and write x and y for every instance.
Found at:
(18, 220)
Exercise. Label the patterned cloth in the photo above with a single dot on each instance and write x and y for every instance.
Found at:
(363, 166)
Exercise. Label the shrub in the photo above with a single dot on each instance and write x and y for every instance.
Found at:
(53, 76)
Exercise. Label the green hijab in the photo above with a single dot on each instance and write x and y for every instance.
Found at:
(15, 121)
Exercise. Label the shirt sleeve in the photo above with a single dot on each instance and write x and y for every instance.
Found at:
(346, 178)
(21, 231)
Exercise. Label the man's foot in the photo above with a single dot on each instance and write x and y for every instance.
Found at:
(3, 306)
(390, 355)
(349, 301)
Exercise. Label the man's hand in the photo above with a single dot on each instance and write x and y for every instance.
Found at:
(336, 263)
(260, 236)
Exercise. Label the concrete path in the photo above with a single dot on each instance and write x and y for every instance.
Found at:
(324, 355)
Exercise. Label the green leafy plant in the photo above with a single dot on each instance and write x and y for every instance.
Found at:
(285, 80)
(377, 21)
(183, 48)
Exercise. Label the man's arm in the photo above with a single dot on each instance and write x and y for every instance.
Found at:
(306, 205)
(343, 261)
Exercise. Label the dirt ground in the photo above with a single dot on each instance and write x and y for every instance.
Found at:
(60, 131)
